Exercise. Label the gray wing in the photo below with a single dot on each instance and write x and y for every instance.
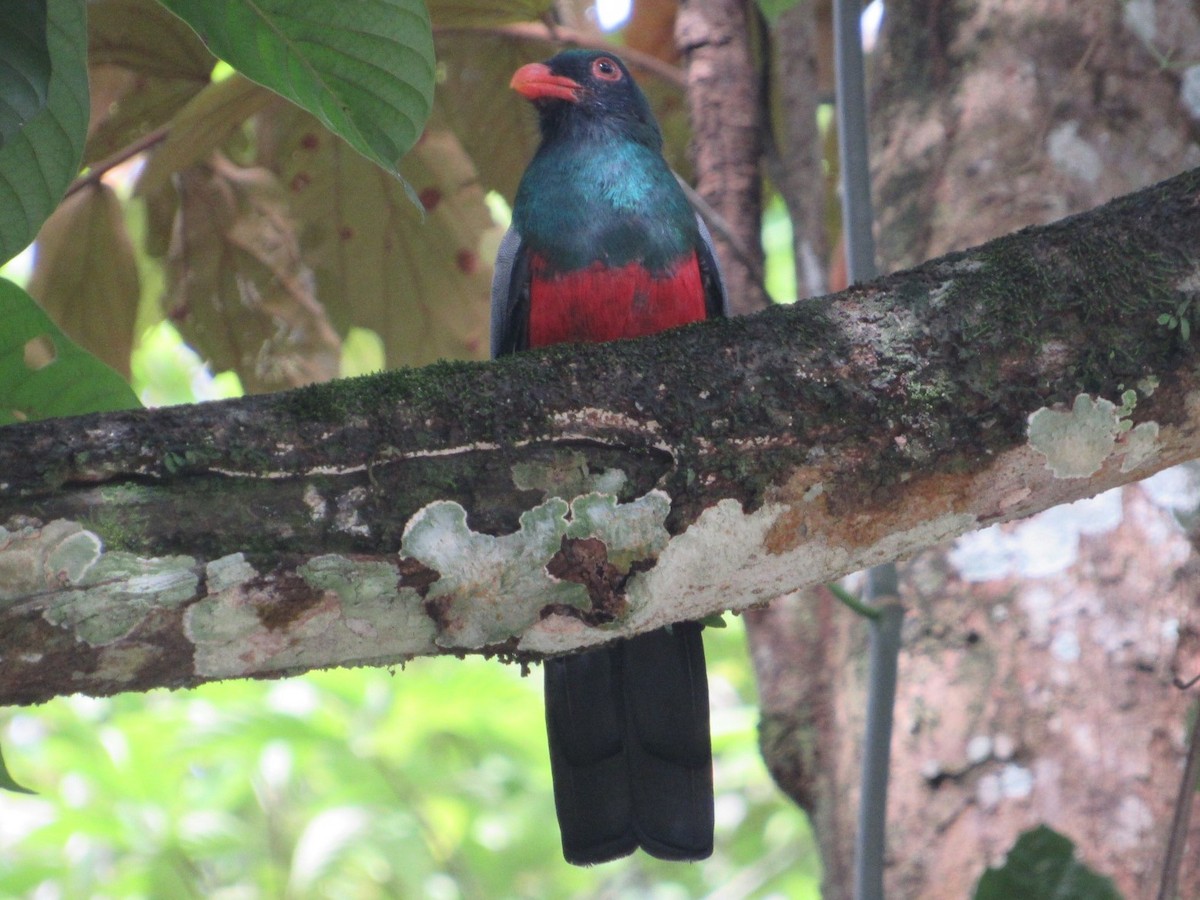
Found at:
(510, 296)
(715, 297)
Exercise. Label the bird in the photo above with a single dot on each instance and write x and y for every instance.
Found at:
(604, 245)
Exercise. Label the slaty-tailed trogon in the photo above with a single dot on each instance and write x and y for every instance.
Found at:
(605, 245)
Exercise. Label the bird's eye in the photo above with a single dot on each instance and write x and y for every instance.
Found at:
(606, 70)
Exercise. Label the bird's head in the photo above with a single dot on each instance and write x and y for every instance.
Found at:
(586, 90)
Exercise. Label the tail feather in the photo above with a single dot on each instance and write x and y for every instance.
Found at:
(668, 747)
(629, 748)
(585, 728)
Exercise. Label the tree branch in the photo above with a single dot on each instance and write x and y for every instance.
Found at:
(713, 467)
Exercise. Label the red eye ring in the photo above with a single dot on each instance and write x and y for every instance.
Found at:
(606, 69)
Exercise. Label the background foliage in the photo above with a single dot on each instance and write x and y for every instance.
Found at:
(221, 239)
(431, 782)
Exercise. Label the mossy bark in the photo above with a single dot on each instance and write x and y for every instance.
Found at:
(843, 431)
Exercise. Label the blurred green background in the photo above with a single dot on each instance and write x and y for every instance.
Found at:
(427, 782)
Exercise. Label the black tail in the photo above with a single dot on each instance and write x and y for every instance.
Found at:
(629, 748)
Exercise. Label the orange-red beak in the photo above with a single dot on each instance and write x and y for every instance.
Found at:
(536, 82)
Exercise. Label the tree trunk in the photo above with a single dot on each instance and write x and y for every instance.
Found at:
(725, 112)
(1036, 678)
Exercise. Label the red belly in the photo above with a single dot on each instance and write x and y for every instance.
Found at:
(603, 304)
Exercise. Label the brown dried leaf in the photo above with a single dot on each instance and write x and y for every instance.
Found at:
(161, 206)
(201, 127)
(239, 290)
(85, 276)
(421, 285)
(143, 64)
(144, 36)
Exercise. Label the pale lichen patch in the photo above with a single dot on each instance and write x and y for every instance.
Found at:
(38, 558)
(371, 606)
(723, 560)
(1141, 444)
(100, 596)
(227, 571)
(565, 474)
(630, 531)
(120, 663)
(490, 587)
(118, 592)
(318, 509)
(248, 623)
(493, 588)
(718, 557)
(347, 518)
(70, 561)
(1075, 443)
(231, 639)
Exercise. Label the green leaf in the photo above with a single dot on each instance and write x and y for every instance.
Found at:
(365, 69)
(44, 374)
(773, 9)
(484, 13)
(1185, 329)
(1042, 866)
(24, 64)
(7, 782)
(37, 164)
